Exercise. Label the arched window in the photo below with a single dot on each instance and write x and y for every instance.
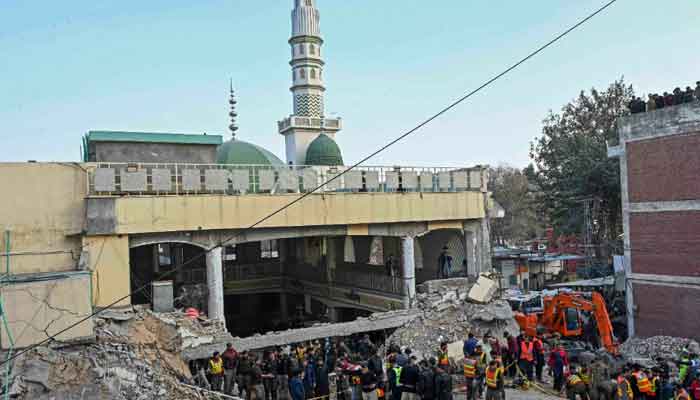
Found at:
(303, 48)
(302, 73)
(312, 49)
(313, 73)
(298, 48)
(294, 74)
(320, 74)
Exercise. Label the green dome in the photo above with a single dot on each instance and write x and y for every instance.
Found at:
(323, 151)
(240, 152)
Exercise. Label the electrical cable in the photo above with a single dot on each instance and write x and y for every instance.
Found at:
(362, 161)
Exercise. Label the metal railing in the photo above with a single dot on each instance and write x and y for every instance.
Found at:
(134, 179)
(372, 281)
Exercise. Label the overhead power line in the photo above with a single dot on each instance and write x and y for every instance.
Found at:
(362, 161)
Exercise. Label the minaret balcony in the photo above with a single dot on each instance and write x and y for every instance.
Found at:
(312, 123)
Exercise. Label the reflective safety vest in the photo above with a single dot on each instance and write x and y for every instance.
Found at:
(654, 385)
(574, 380)
(624, 384)
(469, 368)
(442, 358)
(492, 375)
(643, 383)
(356, 380)
(526, 351)
(397, 372)
(682, 395)
(481, 362)
(538, 345)
(380, 392)
(585, 378)
(216, 367)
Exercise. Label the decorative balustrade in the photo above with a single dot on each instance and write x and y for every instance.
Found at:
(233, 179)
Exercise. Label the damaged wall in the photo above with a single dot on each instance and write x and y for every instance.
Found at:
(43, 208)
(45, 305)
(108, 260)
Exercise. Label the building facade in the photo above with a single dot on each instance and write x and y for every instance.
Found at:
(659, 154)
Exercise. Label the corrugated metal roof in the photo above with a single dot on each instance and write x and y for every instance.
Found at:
(153, 137)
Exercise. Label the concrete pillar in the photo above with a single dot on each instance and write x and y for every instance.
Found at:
(470, 243)
(284, 307)
(333, 314)
(215, 283)
(408, 271)
(376, 251)
(330, 258)
(348, 250)
(485, 245)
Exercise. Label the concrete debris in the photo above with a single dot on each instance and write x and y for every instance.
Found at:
(446, 315)
(657, 347)
(136, 356)
(483, 290)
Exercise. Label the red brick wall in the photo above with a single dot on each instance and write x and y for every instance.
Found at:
(667, 310)
(664, 169)
(666, 243)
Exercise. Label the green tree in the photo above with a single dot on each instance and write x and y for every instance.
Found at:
(572, 163)
(514, 192)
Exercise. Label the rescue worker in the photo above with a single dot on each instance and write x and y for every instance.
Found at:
(494, 381)
(394, 376)
(641, 387)
(576, 387)
(655, 384)
(216, 370)
(526, 357)
(624, 389)
(481, 364)
(443, 357)
(296, 386)
(539, 357)
(585, 374)
(470, 371)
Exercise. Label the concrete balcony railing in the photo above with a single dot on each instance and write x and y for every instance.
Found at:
(329, 124)
(134, 179)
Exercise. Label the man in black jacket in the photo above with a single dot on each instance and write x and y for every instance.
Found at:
(409, 380)
(426, 382)
(443, 385)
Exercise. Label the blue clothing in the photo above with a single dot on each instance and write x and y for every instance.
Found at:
(309, 377)
(401, 360)
(296, 389)
(469, 346)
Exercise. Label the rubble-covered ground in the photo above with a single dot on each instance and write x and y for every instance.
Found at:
(657, 347)
(136, 356)
(446, 314)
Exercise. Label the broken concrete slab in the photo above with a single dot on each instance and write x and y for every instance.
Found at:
(483, 290)
(37, 371)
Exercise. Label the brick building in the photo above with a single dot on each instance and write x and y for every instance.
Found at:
(659, 154)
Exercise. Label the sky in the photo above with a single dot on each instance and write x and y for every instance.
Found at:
(67, 67)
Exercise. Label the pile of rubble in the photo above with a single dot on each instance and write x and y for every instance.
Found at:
(136, 355)
(657, 347)
(447, 312)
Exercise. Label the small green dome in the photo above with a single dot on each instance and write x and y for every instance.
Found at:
(240, 152)
(323, 151)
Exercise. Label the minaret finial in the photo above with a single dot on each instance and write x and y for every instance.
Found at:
(232, 101)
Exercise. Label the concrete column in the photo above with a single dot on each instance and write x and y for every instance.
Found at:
(333, 314)
(330, 258)
(409, 271)
(485, 245)
(284, 307)
(471, 250)
(215, 283)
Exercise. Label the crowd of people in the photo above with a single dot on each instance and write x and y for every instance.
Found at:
(656, 101)
(361, 371)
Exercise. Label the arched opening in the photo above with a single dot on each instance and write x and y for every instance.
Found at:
(433, 246)
(182, 263)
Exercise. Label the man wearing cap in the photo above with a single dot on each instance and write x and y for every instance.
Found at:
(369, 382)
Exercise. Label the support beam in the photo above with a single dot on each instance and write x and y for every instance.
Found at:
(409, 271)
(215, 283)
